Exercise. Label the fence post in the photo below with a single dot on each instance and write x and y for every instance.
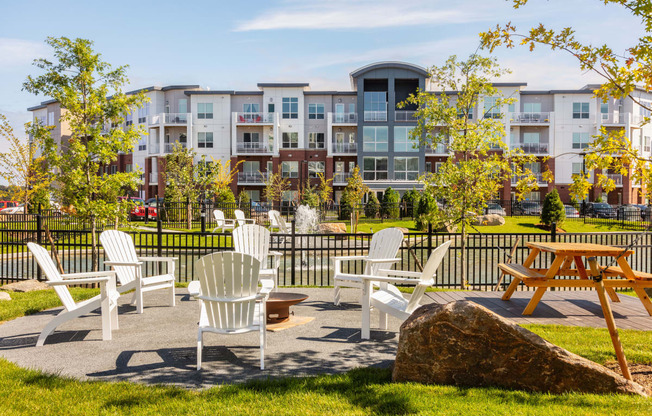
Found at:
(553, 232)
(203, 216)
(429, 239)
(39, 235)
(293, 252)
(159, 237)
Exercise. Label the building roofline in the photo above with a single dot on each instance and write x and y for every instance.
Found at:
(209, 92)
(179, 87)
(390, 64)
(330, 93)
(248, 93)
(146, 89)
(509, 84)
(282, 84)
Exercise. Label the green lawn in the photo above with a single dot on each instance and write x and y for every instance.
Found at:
(361, 391)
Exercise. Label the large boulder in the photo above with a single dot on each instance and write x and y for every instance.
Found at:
(490, 219)
(4, 296)
(464, 344)
(332, 228)
(26, 286)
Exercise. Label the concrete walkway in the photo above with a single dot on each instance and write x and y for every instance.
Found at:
(159, 346)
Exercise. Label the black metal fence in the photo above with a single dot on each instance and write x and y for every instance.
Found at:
(307, 258)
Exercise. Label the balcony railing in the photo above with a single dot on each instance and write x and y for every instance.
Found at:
(612, 118)
(345, 147)
(375, 115)
(169, 118)
(616, 177)
(154, 148)
(531, 148)
(440, 149)
(529, 118)
(253, 147)
(169, 147)
(341, 177)
(405, 116)
(153, 178)
(254, 118)
(344, 118)
(252, 177)
(537, 175)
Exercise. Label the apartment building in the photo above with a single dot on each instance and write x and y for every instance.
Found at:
(289, 128)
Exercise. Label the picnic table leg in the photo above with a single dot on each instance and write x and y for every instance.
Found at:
(515, 281)
(609, 318)
(642, 295)
(534, 301)
(583, 275)
(509, 260)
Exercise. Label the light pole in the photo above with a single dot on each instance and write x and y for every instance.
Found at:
(583, 154)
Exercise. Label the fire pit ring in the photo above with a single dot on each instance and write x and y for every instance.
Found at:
(278, 306)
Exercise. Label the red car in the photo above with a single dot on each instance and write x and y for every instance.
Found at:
(138, 211)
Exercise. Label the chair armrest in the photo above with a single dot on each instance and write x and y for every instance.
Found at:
(384, 279)
(404, 273)
(249, 220)
(107, 273)
(194, 288)
(383, 260)
(123, 263)
(159, 259)
(79, 281)
(346, 258)
(275, 254)
(267, 285)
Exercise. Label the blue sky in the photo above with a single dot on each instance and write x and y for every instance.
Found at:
(234, 45)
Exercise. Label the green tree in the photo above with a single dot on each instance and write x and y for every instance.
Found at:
(324, 189)
(89, 92)
(389, 207)
(224, 197)
(468, 123)
(553, 209)
(353, 193)
(372, 206)
(275, 186)
(345, 208)
(425, 208)
(410, 200)
(310, 195)
(243, 199)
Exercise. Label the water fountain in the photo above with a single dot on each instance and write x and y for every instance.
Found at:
(306, 222)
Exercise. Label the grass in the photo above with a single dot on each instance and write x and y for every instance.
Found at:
(28, 303)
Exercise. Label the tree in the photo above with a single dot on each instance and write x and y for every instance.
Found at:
(553, 210)
(223, 175)
(325, 188)
(481, 162)
(625, 74)
(355, 190)
(425, 208)
(309, 195)
(243, 199)
(23, 168)
(93, 105)
(410, 200)
(275, 186)
(345, 207)
(390, 208)
(372, 206)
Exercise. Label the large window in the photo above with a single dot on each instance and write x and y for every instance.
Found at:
(491, 107)
(251, 108)
(531, 138)
(577, 169)
(316, 141)
(205, 140)
(374, 139)
(375, 106)
(531, 107)
(129, 119)
(290, 141)
(290, 169)
(646, 143)
(143, 112)
(580, 110)
(315, 168)
(402, 141)
(290, 107)
(251, 167)
(253, 195)
(375, 168)
(580, 140)
(205, 110)
(406, 168)
(316, 111)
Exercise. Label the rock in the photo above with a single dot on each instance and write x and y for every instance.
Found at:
(446, 227)
(403, 230)
(4, 296)
(490, 219)
(332, 228)
(25, 286)
(464, 344)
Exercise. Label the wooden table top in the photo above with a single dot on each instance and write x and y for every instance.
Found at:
(580, 249)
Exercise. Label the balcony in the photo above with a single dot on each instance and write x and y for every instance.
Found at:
(529, 118)
(405, 116)
(254, 118)
(154, 148)
(531, 148)
(252, 177)
(537, 175)
(440, 149)
(616, 177)
(253, 147)
(613, 118)
(174, 119)
(344, 118)
(153, 178)
(341, 177)
(375, 115)
(345, 147)
(169, 147)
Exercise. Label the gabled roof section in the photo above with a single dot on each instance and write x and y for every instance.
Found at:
(391, 64)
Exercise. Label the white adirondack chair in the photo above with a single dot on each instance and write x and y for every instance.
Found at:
(390, 300)
(221, 222)
(255, 240)
(383, 250)
(230, 301)
(275, 221)
(106, 300)
(121, 252)
(241, 219)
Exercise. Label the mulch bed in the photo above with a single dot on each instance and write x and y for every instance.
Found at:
(641, 373)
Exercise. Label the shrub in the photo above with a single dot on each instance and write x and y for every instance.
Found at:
(410, 200)
(553, 209)
(426, 206)
(390, 208)
(372, 206)
(243, 199)
(309, 196)
(224, 196)
(345, 207)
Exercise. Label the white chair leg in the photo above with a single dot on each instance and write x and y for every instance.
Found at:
(199, 348)
(172, 300)
(139, 299)
(105, 311)
(336, 298)
(50, 327)
(134, 299)
(382, 320)
(114, 316)
(262, 347)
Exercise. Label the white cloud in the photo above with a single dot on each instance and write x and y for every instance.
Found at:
(361, 14)
(20, 52)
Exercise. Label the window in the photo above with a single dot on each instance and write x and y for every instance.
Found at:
(580, 110)
(205, 140)
(402, 140)
(374, 139)
(316, 141)
(251, 167)
(580, 140)
(531, 107)
(531, 138)
(406, 168)
(438, 166)
(253, 195)
(604, 108)
(375, 106)
(643, 110)
(270, 167)
(316, 111)
(113, 169)
(491, 107)
(314, 168)
(270, 142)
(428, 166)
(577, 169)
(290, 169)
(375, 168)
(290, 140)
(290, 107)
(51, 118)
(461, 111)
(142, 143)
(270, 108)
(251, 108)
(646, 143)
(289, 196)
(143, 112)
(128, 167)
(253, 138)
(205, 110)
(129, 119)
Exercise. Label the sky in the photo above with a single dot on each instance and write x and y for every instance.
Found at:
(228, 45)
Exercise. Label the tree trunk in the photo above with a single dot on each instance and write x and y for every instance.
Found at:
(94, 251)
(463, 256)
(189, 215)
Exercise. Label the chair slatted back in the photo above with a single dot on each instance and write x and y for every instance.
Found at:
(273, 220)
(254, 240)
(384, 245)
(50, 270)
(230, 282)
(428, 276)
(218, 214)
(280, 223)
(240, 217)
(119, 246)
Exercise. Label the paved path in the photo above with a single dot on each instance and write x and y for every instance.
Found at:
(159, 345)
